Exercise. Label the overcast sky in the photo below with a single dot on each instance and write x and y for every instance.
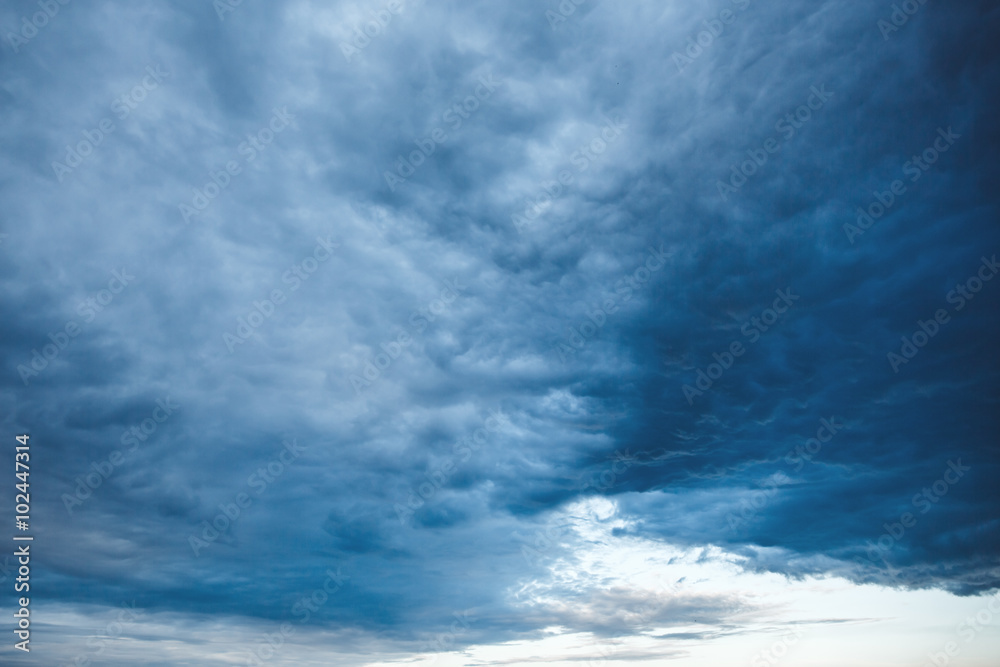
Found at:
(503, 333)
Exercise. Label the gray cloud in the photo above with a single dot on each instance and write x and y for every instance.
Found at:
(530, 292)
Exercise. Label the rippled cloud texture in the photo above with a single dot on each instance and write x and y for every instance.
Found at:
(480, 333)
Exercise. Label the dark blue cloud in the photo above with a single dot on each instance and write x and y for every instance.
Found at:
(564, 255)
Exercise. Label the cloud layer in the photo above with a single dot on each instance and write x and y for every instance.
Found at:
(385, 304)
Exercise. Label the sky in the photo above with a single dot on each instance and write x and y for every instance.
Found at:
(416, 332)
